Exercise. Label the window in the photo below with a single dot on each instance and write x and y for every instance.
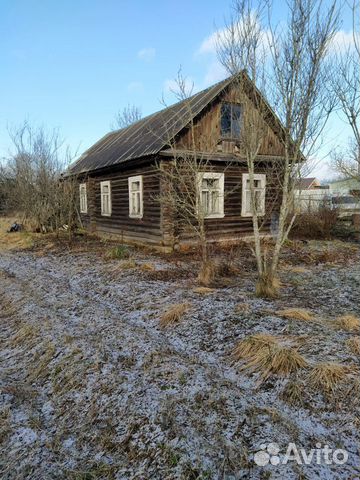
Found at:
(211, 194)
(135, 197)
(230, 120)
(259, 184)
(105, 192)
(83, 198)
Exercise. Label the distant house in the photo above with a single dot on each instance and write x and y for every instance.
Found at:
(344, 187)
(310, 195)
(119, 178)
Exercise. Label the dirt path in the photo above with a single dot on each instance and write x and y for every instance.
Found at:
(91, 387)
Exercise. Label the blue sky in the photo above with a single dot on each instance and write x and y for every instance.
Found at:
(73, 64)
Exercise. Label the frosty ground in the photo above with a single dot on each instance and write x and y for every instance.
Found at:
(93, 387)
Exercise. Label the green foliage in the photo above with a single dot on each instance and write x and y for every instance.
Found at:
(120, 252)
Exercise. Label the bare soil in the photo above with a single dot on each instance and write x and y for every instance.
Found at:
(92, 387)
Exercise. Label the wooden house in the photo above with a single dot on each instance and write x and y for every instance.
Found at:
(120, 176)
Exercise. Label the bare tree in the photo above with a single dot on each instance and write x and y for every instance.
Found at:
(346, 85)
(288, 65)
(125, 117)
(34, 186)
(183, 176)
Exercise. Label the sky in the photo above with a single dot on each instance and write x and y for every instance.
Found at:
(72, 64)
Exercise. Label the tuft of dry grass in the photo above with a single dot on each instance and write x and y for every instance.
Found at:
(249, 345)
(267, 287)
(207, 273)
(173, 314)
(354, 345)
(266, 355)
(147, 267)
(326, 376)
(296, 314)
(203, 290)
(350, 323)
(293, 393)
(128, 264)
(242, 307)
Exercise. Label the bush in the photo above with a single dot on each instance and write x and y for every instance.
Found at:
(316, 225)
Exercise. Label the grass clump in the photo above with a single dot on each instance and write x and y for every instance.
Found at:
(350, 323)
(120, 252)
(207, 273)
(242, 307)
(265, 354)
(174, 314)
(296, 314)
(248, 346)
(326, 376)
(203, 290)
(267, 286)
(354, 345)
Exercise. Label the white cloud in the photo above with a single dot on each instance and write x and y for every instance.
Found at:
(344, 40)
(208, 45)
(215, 73)
(147, 54)
(135, 87)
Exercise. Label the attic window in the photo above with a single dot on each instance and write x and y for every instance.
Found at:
(230, 120)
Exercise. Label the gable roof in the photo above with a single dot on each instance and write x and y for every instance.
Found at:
(147, 136)
(305, 183)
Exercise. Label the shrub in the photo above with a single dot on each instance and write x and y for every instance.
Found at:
(317, 225)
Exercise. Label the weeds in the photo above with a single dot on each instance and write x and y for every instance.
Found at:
(120, 252)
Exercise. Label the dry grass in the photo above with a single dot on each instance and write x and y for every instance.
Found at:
(203, 290)
(354, 345)
(267, 287)
(147, 267)
(249, 345)
(293, 393)
(350, 323)
(127, 264)
(266, 355)
(242, 307)
(14, 240)
(327, 376)
(173, 314)
(296, 314)
(207, 274)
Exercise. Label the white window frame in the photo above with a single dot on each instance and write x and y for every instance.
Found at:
(216, 176)
(246, 191)
(83, 198)
(131, 180)
(106, 183)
